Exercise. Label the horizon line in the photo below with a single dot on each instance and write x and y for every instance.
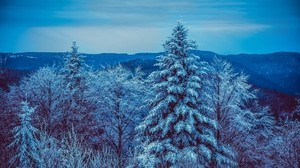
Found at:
(149, 52)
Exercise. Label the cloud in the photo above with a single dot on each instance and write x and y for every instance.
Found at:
(227, 37)
(235, 27)
(134, 25)
(125, 13)
(92, 39)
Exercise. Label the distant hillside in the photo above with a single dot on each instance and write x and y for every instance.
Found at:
(35, 60)
(276, 71)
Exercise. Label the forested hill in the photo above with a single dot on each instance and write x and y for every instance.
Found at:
(275, 71)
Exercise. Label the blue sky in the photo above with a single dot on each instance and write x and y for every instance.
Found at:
(222, 26)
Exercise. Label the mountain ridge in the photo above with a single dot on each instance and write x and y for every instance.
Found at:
(279, 71)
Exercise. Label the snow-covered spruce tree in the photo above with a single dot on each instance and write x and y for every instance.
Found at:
(25, 144)
(175, 130)
(76, 106)
(73, 72)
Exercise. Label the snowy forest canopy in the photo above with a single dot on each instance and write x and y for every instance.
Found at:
(188, 113)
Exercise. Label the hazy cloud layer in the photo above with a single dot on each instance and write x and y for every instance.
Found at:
(105, 25)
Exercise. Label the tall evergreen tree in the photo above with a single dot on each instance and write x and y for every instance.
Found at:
(76, 106)
(73, 70)
(25, 141)
(175, 130)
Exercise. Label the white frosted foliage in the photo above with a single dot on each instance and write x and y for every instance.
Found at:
(25, 142)
(175, 128)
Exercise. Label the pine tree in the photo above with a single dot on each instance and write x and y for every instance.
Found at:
(75, 104)
(73, 69)
(25, 141)
(175, 130)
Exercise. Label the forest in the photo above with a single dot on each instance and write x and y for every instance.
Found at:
(186, 113)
